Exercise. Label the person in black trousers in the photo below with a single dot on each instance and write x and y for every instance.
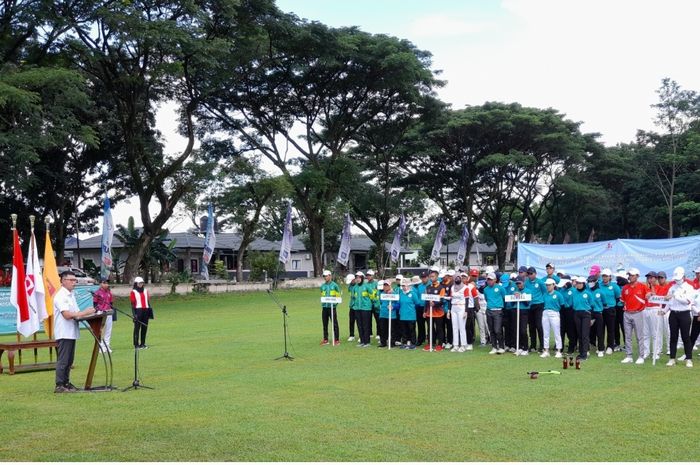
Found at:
(142, 311)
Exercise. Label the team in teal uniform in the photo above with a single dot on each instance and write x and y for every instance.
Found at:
(551, 317)
(582, 302)
(409, 301)
(494, 295)
(597, 328)
(536, 288)
(388, 309)
(329, 288)
(363, 308)
(610, 294)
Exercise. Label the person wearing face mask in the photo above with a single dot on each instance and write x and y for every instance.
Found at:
(609, 293)
(597, 328)
(582, 301)
(447, 282)
(420, 308)
(458, 314)
(634, 298)
(680, 298)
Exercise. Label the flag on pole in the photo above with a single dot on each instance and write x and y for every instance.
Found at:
(35, 283)
(462, 251)
(51, 283)
(395, 250)
(435, 254)
(27, 320)
(344, 251)
(286, 245)
(509, 247)
(209, 244)
(591, 236)
(107, 234)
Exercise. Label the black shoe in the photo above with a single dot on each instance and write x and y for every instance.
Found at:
(60, 389)
(381, 346)
(70, 388)
(143, 346)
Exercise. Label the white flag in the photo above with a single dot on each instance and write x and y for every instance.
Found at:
(435, 254)
(107, 234)
(286, 245)
(35, 282)
(209, 244)
(344, 251)
(462, 251)
(395, 250)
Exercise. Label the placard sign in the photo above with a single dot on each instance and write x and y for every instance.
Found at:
(430, 297)
(658, 299)
(518, 297)
(389, 297)
(331, 300)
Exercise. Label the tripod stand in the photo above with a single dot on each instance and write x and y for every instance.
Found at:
(135, 384)
(286, 355)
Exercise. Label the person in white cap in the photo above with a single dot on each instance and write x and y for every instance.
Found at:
(408, 301)
(329, 288)
(363, 308)
(458, 314)
(634, 298)
(495, 301)
(695, 282)
(680, 298)
(351, 281)
(610, 293)
(373, 295)
(447, 282)
(141, 308)
(553, 302)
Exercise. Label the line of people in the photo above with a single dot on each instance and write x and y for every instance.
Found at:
(601, 311)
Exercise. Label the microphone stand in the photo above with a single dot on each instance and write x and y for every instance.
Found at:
(286, 355)
(135, 384)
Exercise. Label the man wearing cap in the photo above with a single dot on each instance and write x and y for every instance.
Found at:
(551, 321)
(582, 301)
(363, 308)
(102, 302)
(680, 300)
(420, 308)
(495, 301)
(651, 318)
(609, 294)
(634, 299)
(408, 301)
(329, 288)
(436, 310)
(536, 288)
(551, 273)
(522, 272)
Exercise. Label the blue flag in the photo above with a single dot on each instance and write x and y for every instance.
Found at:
(107, 234)
(462, 251)
(209, 244)
(286, 245)
(435, 254)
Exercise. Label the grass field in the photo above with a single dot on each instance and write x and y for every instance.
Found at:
(220, 395)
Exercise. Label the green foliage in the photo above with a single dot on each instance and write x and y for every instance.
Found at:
(262, 262)
(177, 277)
(220, 269)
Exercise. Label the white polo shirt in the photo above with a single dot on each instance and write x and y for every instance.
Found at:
(65, 329)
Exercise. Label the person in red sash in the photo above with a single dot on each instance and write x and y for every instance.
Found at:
(142, 311)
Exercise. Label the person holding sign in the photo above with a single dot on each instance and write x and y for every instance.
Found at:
(389, 306)
(409, 300)
(434, 311)
(329, 288)
(553, 301)
(609, 294)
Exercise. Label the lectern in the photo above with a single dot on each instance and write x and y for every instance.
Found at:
(95, 323)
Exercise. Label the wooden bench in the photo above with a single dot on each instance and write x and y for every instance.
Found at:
(12, 347)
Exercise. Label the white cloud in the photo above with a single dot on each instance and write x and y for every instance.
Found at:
(443, 25)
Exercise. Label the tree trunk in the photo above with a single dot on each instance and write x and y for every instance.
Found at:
(133, 262)
(315, 226)
(245, 242)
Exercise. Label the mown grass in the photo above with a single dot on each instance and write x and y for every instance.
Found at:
(220, 395)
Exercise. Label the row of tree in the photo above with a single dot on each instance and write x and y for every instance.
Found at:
(346, 121)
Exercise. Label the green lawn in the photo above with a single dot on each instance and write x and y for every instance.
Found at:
(220, 395)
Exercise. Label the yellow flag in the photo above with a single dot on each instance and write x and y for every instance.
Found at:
(51, 283)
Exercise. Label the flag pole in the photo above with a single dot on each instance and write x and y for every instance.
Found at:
(14, 227)
(31, 252)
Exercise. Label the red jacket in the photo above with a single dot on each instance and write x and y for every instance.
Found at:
(634, 296)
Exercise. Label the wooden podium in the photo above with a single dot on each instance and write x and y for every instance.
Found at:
(95, 323)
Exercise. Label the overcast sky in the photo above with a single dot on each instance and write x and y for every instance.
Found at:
(597, 61)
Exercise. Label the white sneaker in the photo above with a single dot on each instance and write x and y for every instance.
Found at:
(558, 354)
(397, 343)
(351, 338)
(545, 354)
(681, 358)
(377, 337)
(628, 360)
(671, 362)
(462, 349)
(600, 353)
(469, 347)
(493, 351)
(448, 346)
(608, 351)
(640, 361)
(522, 352)
(454, 349)
(689, 363)
(501, 351)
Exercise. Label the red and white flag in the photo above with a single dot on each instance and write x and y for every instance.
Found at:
(35, 282)
(27, 319)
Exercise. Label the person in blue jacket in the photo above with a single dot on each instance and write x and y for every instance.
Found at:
(536, 288)
(582, 302)
(421, 322)
(388, 309)
(494, 295)
(610, 294)
(525, 315)
(551, 321)
(597, 328)
(509, 317)
(409, 300)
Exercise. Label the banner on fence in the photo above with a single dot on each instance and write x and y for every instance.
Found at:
(620, 254)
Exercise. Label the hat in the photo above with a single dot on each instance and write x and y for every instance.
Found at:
(513, 275)
(522, 269)
(441, 274)
(697, 270)
(520, 280)
(474, 272)
(349, 278)
(104, 280)
(661, 274)
(549, 265)
(491, 276)
(579, 279)
(592, 279)
(490, 269)
(621, 274)
(652, 274)
(380, 283)
(415, 279)
(606, 272)
(423, 274)
(326, 273)
(370, 272)
(386, 283)
(563, 282)
(678, 273)
(450, 272)
(360, 273)
(567, 276)
(504, 278)
(405, 282)
(399, 277)
(464, 273)
(138, 279)
(531, 270)
(595, 269)
(549, 281)
(632, 271)
(434, 269)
